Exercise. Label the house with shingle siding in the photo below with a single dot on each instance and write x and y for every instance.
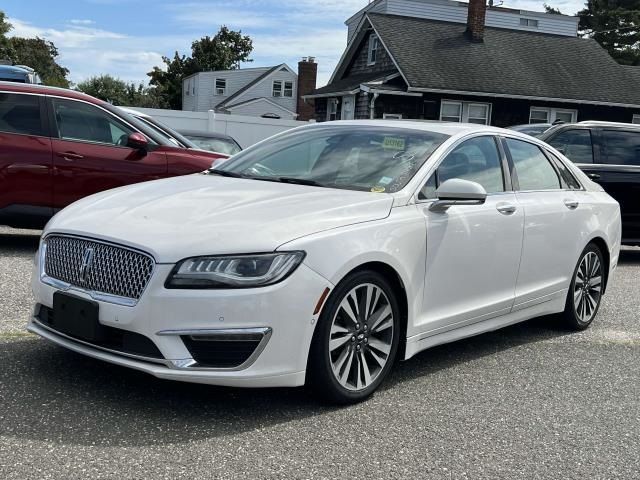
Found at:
(453, 61)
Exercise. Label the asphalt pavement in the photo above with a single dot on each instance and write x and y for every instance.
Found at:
(532, 401)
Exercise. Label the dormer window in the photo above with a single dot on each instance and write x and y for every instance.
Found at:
(528, 22)
(373, 49)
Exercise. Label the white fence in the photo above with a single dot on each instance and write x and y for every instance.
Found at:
(244, 129)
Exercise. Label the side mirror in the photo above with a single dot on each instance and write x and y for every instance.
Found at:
(138, 142)
(458, 192)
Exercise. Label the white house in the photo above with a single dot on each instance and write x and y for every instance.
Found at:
(269, 92)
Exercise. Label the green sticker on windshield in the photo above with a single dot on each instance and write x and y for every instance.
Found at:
(393, 143)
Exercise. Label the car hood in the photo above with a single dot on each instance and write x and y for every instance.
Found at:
(206, 214)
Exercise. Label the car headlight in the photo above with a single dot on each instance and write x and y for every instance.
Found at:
(234, 271)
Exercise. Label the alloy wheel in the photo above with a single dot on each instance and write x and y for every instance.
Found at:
(587, 289)
(361, 336)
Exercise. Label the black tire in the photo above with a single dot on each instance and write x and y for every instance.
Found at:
(573, 316)
(320, 370)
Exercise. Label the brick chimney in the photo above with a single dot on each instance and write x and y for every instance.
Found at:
(475, 20)
(307, 74)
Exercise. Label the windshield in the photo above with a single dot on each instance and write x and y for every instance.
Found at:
(369, 158)
(219, 145)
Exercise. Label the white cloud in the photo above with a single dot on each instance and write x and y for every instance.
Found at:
(81, 21)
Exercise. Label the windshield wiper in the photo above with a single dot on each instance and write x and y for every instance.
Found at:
(225, 173)
(299, 181)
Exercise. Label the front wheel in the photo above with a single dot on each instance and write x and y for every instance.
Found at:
(356, 340)
(585, 292)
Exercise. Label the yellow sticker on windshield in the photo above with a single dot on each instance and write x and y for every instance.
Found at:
(393, 143)
(377, 189)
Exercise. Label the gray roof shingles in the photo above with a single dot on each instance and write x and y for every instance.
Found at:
(437, 55)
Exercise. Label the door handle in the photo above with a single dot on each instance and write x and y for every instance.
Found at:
(506, 208)
(70, 156)
(593, 176)
(571, 204)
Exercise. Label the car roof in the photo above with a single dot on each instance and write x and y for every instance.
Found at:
(45, 90)
(447, 128)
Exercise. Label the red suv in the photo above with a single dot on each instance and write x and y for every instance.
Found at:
(57, 146)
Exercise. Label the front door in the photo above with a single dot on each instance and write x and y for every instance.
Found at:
(473, 251)
(348, 107)
(90, 153)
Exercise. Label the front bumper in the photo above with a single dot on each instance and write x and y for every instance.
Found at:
(283, 312)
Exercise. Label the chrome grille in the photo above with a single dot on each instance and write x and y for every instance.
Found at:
(108, 269)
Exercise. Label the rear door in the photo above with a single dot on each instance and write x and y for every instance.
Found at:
(90, 152)
(619, 174)
(554, 213)
(25, 161)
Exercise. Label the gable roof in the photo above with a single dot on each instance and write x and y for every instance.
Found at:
(250, 85)
(435, 56)
(261, 100)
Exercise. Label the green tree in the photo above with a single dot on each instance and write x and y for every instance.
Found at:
(614, 24)
(6, 49)
(167, 81)
(550, 9)
(224, 51)
(40, 55)
(119, 92)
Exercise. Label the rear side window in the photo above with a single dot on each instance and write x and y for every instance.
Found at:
(20, 114)
(568, 180)
(575, 144)
(621, 148)
(532, 168)
(81, 121)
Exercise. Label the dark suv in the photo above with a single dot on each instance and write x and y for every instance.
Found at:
(609, 153)
(57, 146)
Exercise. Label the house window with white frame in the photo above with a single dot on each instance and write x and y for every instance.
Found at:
(466, 112)
(372, 55)
(288, 89)
(277, 88)
(221, 86)
(529, 22)
(551, 115)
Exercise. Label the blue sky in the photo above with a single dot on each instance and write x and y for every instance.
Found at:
(126, 38)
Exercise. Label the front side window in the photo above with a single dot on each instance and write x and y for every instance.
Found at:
(84, 122)
(476, 160)
(575, 144)
(20, 114)
(219, 145)
(621, 148)
(221, 86)
(372, 54)
(376, 159)
(532, 168)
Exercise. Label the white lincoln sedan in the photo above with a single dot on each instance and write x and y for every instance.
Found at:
(325, 253)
